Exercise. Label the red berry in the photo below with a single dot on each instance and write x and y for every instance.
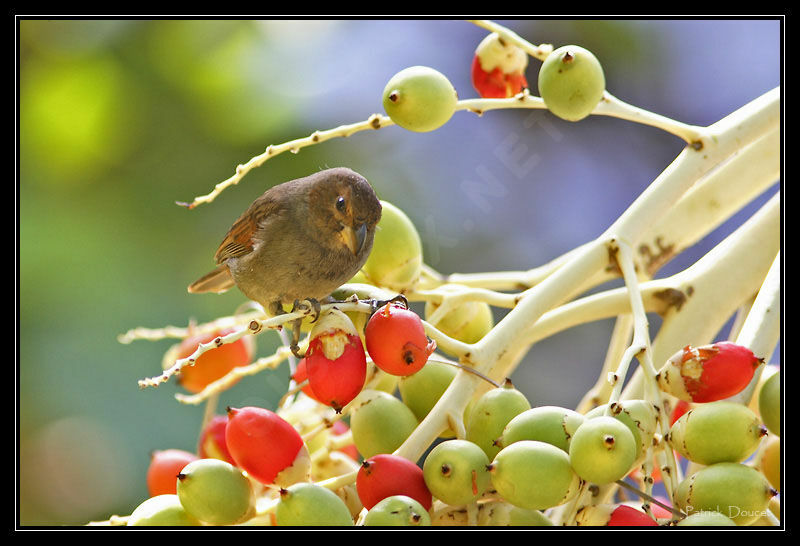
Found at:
(658, 511)
(212, 443)
(215, 363)
(396, 340)
(498, 68)
(300, 375)
(336, 364)
(680, 408)
(165, 465)
(386, 475)
(626, 516)
(266, 446)
(708, 373)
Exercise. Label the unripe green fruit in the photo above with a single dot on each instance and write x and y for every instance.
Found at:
(733, 489)
(397, 511)
(455, 472)
(395, 261)
(603, 450)
(419, 99)
(491, 413)
(638, 415)
(769, 461)
(706, 519)
(534, 475)
(467, 322)
(380, 423)
(492, 513)
(161, 510)
(216, 492)
(571, 82)
(717, 432)
(420, 391)
(308, 504)
(769, 403)
(550, 424)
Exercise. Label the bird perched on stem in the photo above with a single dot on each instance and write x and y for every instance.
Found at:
(298, 242)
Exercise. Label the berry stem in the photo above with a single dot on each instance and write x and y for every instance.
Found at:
(762, 327)
(538, 52)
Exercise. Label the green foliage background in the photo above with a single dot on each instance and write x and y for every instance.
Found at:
(118, 119)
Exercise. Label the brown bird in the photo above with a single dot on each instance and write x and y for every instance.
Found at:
(298, 242)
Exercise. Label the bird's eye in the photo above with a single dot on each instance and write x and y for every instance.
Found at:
(340, 204)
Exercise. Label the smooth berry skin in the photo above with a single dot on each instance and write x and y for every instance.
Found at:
(419, 99)
(164, 466)
(396, 340)
(261, 442)
(300, 375)
(212, 443)
(387, 475)
(626, 516)
(571, 82)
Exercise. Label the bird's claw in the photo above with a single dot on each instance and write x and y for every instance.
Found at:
(377, 304)
(309, 304)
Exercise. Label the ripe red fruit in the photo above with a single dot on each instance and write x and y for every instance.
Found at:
(301, 374)
(626, 516)
(266, 446)
(336, 363)
(386, 475)
(165, 465)
(212, 443)
(396, 340)
(680, 408)
(498, 68)
(708, 373)
(215, 363)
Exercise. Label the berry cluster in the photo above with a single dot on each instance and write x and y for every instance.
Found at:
(332, 457)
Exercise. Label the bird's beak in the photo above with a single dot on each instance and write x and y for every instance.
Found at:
(354, 238)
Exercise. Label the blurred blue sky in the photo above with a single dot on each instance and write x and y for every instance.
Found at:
(119, 119)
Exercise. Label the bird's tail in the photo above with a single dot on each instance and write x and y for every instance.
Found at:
(218, 280)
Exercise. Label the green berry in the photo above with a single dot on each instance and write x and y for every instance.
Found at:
(380, 423)
(421, 390)
(491, 413)
(638, 415)
(706, 519)
(456, 472)
(733, 489)
(571, 82)
(769, 403)
(603, 450)
(769, 461)
(467, 322)
(534, 475)
(397, 511)
(717, 432)
(419, 99)
(308, 504)
(161, 510)
(551, 424)
(395, 261)
(216, 492)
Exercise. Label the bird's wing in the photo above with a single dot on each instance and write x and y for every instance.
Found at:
(239, 240)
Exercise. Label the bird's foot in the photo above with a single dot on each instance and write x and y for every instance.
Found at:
(377, 304)
(309, 304)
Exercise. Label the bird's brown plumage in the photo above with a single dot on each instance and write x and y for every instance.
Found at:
(300, 240)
